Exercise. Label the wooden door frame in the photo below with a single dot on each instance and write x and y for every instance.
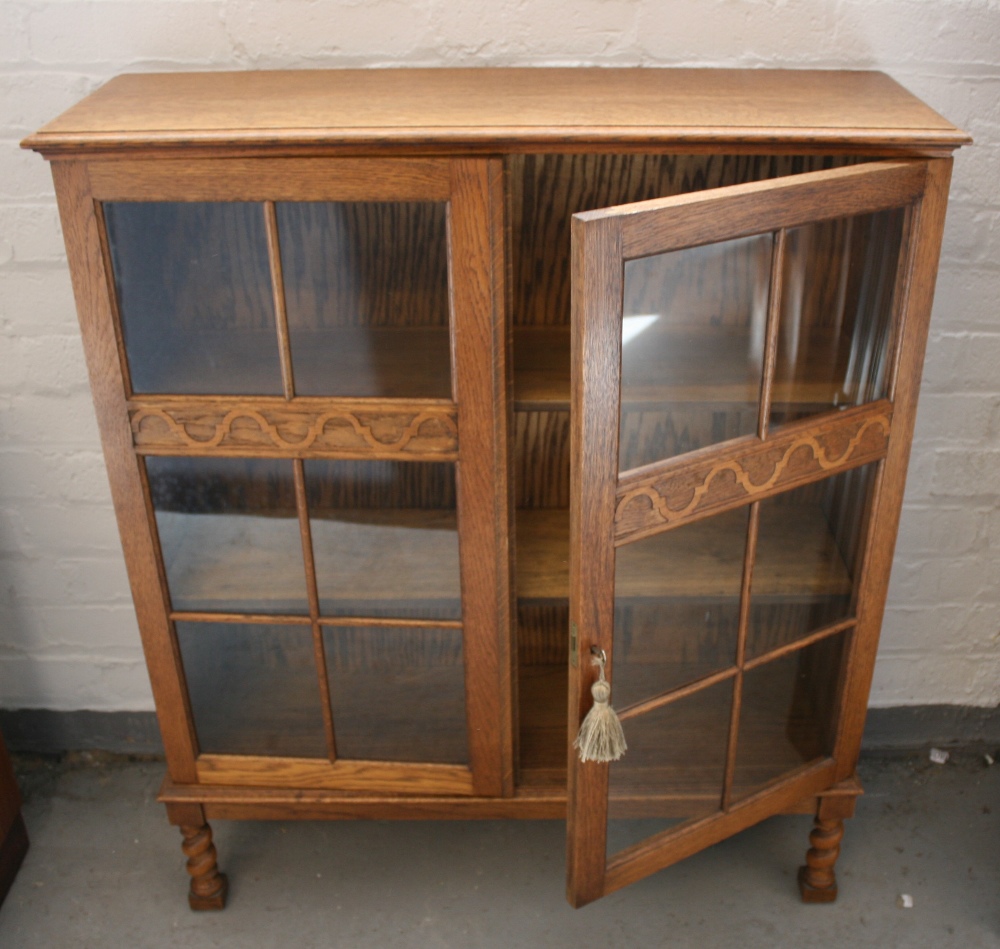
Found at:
(473, 189)
(602, 241)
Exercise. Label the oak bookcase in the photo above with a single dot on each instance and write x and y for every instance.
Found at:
(418, 388)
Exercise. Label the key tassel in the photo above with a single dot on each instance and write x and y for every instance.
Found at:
(600, 737)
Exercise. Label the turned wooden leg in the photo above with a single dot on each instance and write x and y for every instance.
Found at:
(817, 881)
(208, 886)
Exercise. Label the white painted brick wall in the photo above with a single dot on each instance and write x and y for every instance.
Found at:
(68, 637)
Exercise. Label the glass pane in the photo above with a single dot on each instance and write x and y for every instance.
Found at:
(366, 292)
(254, 690)
(837, 296)
(809, 550)
(385, 538)
(397, 694)
(194, 293)
(677, 598)
(692, 348)
(229, 533)
(788, 713)
(674, 768)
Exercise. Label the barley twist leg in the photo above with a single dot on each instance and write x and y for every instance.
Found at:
(817, 881)
(208, 886)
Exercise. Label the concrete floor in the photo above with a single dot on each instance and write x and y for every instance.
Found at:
(105, 870)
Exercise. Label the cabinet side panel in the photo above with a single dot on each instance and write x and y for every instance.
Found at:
(924, 251)
(94, 308)
(480, 376)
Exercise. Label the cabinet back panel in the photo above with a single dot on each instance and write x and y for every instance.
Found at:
(544, 191)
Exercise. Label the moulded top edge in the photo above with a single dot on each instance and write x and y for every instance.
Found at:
(449, 106)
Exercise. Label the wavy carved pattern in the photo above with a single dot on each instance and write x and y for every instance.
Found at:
(760, 470)
(354, 430)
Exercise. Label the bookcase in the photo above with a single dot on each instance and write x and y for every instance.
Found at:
(421, 389)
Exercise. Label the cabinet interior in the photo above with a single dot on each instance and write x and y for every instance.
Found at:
(365, 298)
(679, 603)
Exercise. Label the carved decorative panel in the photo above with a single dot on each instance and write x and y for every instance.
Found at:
(301, 428)
(686, 488)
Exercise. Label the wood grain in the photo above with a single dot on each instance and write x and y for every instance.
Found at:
(300, 428)
(526, 108)
(274, 179)
(712, 480)
(660, 226)
(485, 516)
(371, 776)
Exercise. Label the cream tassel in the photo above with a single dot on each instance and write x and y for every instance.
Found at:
(600, 737)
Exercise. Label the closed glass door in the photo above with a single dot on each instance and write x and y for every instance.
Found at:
(319, 522)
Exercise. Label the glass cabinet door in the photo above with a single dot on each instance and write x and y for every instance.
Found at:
(733, 385)
(288, 353)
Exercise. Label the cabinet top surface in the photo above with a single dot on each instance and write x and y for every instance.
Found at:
(519, 108)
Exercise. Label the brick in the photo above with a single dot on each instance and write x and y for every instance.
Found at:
(605, 29)
(730, 33)
(37, 236)
(47, 420)
(967, 473)
(976, 172)
(299, 32)
(36, 302)
(936, 680)
(81, 582)
(71, 683)
(923, 33)
(942, 530)
(53, 529)
(61, 475)
(30, 99)
(953, 416)
(966, 299)
(42, 365)
(13, 32)
(958, 362)
(24, 176)
(122, 33)
(972, 235)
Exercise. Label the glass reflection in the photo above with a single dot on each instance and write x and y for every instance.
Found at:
(838, 289)
(788, 713)
(385, 538)
(194, 294)
(366, 293)
(693, 336)
(398, 694)
(674, 768)
(229, 534)
(254, 689)
(677, 602)
(809, 550)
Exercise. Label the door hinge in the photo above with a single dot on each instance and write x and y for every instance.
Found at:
(574, 659)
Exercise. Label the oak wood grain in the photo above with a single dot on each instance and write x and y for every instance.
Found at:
(371, 776)
(485, 517)
(300, 428)
(506, 107)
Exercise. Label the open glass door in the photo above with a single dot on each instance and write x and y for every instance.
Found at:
(735, 362)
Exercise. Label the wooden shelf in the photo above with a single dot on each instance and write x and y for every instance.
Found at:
(796, 557)
(389, 562)
(347, 361)
(542, 374)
